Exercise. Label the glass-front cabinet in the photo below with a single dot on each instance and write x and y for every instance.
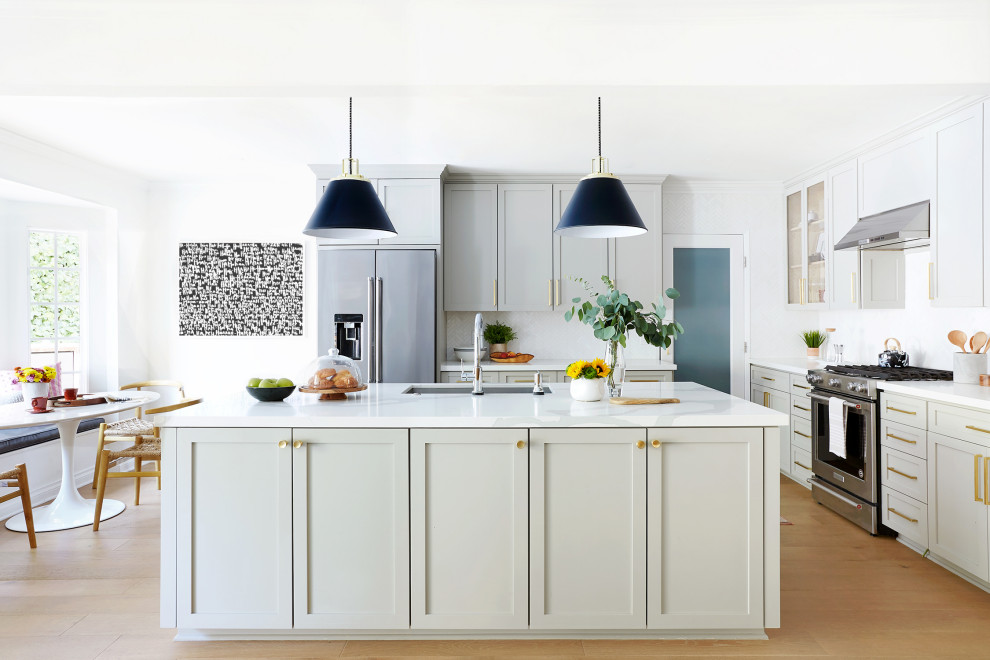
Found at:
(807, 244)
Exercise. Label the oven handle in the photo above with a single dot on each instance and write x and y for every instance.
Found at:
(845, 403)
(831, 491)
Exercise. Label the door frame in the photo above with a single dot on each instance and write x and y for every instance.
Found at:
(737, 296)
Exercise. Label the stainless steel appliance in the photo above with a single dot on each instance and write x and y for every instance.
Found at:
(379, 307)
(850, 484)
(900, 229)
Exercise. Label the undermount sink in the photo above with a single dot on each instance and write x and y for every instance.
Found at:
(465, 388)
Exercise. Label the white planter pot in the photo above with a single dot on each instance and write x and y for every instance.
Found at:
(585, 389)
(32, 390)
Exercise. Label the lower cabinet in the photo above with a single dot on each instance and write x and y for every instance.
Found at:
(587, 566)
(704, 528)
(469, 536)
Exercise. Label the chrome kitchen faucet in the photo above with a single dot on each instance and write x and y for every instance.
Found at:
(478, 331)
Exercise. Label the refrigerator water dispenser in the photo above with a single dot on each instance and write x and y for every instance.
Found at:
(347, 334)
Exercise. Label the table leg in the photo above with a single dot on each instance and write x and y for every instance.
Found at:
(69, 508)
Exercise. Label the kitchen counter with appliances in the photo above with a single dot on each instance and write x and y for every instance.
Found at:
(959, 394)
(798, 365)
(396, 515)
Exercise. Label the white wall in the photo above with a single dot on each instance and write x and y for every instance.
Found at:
(239, 211)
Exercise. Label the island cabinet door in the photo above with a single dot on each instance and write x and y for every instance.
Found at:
(468, 495)
(587, 529)
(350, 498)
(234, 537)
(705, 528)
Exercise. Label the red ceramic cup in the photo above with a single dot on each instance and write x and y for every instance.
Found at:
(39, 403)
(70, 393)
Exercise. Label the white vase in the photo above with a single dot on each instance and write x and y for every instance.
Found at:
(32, 390)
(587, 389)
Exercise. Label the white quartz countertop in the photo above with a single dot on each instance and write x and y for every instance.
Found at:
(554, 365)
(797, 365)
(385, 406)
(971, 396)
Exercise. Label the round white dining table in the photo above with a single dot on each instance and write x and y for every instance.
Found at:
(69, 509)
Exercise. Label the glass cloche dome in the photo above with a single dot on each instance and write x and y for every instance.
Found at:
(332, 371)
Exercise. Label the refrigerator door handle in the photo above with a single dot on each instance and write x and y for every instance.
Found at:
(370, 332)
(378, 330)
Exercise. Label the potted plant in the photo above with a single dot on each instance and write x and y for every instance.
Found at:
(613, 315)
(813, 339)
(497, 335)
(588, 379)
(35, 381)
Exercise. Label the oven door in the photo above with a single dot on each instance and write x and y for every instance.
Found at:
(855, 473)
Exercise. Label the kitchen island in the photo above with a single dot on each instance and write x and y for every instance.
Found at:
(395, 515)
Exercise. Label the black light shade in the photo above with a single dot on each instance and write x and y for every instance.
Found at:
(350, 209)
(600, 208)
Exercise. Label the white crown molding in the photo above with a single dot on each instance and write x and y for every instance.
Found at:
(476, 176)
(325, 171)
(899, 132)
(677, 185)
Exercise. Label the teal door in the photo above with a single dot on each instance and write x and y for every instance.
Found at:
(703, 352)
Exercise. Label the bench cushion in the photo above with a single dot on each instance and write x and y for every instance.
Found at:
(14, 439)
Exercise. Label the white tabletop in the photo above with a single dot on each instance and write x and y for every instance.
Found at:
(16, 415)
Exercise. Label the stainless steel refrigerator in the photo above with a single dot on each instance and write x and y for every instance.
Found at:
(379, 307)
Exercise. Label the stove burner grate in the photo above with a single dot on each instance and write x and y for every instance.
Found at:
(889, 373)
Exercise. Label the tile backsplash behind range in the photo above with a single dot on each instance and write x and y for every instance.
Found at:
(544, 334)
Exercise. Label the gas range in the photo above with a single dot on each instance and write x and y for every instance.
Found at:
(861, 380)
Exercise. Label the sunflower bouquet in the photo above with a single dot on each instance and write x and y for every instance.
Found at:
(34, 375)
(590, 370)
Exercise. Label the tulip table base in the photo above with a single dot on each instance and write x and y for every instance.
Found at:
(69, 508)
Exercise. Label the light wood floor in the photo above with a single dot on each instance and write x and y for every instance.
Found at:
(82, 595)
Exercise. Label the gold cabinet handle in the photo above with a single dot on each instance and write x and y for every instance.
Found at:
(640, 444)
(976, 478)
(907, 412)
(656, 444)
(550, 293)
(802, 465)
(852, 287)
(802, 408)
(803, 387)
(803, 435)
(297, 444)
(897, 437)
(642, 380)
(557, 290)
(282, 444)
(986, 480)
(898, 513)
(767, 378)
(906, 476)
(521, 444)
(977, 428)
(766, 399)
(494, 293)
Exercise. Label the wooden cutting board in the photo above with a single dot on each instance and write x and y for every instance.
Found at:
(632, 401)
(93, 401)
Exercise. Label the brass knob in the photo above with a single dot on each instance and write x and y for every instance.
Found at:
(282, 444)
(297, 444)
(640, 444)
(655, 443)
(521, 444)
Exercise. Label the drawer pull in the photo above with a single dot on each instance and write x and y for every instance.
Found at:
(977, 428)
(907, 412)
(802, 408)
(803, 387)
(897, 437)
(803, 435)
(898, 513)
(906, 476)
(633, 380)
(986, 480)
(802, 465)
(767, 378)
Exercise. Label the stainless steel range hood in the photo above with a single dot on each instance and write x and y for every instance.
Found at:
(900, 229)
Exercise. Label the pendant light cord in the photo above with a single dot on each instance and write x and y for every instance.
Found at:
(350, 126)
(599, 127)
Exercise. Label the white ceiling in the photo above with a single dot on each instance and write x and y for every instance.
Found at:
(711, 89)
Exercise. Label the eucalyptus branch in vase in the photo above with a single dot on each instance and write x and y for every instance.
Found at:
(613, 315)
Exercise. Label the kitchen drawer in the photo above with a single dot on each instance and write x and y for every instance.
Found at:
(907, 516)
(649, 376)
(801, 434)
(801, 464)
(801, 406)
(904, 410)
(775, 380)
(904, 438)
(527, 376)
(962, 423)
(904, 473)
(799, 385)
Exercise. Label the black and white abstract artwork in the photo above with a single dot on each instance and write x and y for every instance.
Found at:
(240, 289)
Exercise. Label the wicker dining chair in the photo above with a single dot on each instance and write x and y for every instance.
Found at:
(145, 448)
(18, 478)
(132, 427)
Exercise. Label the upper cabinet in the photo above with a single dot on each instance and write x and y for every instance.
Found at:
(896, 174)
(525, 247)
(843, 205)
(956, 270)
(470, 255)
(573, 258)
(637, 267)
(807, 243)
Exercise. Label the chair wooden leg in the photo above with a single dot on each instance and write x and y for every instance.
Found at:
(158, 468)
(99, 453)
(137, 482)
(22, 484)
(102, 488)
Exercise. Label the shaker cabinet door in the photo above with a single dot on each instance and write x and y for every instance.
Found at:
(470, 253)
(525, 247)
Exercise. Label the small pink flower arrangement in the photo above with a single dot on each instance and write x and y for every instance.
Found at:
(34, 375)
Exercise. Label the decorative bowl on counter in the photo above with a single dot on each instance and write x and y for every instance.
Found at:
(332, 376)
(270, 394)
(510, 358)
(467, 354)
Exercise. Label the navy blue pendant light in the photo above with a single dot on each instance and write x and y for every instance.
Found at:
(600, 206)
(350, 207)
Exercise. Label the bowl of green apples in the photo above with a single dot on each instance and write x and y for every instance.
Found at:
(270, 389)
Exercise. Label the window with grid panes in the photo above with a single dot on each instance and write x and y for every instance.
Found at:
(55, 280)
